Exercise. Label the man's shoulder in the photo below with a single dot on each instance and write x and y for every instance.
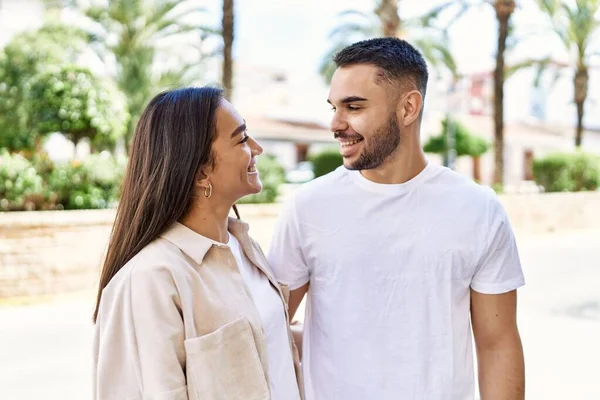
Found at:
(321, 188)
(460, 194)
(461, 185)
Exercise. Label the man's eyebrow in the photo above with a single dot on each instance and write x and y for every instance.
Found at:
(238, 130)
(350, 99)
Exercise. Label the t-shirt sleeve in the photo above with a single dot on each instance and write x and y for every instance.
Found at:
(285, 252)
(499, 267)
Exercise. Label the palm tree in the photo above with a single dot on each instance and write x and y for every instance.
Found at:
(387, 11)
(385, 21)
(130, 31)
(504, 10)
(227, 33)
(576, 25)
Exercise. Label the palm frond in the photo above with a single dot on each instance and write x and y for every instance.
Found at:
(354, 13)
(541, 65)
(327, 66)
(437, 54)
(353, 29)
(457, 7)
(176, 78)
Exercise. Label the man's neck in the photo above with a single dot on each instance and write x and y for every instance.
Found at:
(403, 166)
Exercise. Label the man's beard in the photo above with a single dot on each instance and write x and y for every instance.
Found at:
(382, 144)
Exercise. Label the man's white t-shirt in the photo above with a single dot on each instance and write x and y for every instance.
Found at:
(282, 376)
(390, 270)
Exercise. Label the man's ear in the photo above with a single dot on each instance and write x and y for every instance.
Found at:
(409, 108)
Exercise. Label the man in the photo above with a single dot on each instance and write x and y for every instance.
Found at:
(399, 256)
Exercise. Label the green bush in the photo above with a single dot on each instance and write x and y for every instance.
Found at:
(21, 187)
(89, 184)
(498, 188)
(41, 185)
(272, 175)
(570, 172)
(326, 161)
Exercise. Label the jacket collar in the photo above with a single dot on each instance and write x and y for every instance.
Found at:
(195, 245)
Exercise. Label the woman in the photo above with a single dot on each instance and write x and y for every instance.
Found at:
(187, 307)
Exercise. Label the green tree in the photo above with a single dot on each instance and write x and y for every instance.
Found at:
(130, 30)
(576, 24)
(20, 60)
(465, 143)
(385, 21)
(70, 100)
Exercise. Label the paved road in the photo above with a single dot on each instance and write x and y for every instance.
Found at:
(45, 349)
(560, 316)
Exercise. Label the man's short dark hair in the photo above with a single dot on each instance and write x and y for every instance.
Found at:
(396, 59)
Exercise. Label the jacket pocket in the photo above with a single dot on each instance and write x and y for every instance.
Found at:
(225, 365)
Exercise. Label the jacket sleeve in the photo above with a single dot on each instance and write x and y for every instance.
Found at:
(139, 338)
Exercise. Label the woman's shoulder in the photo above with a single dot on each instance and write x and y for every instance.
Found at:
(159, 261)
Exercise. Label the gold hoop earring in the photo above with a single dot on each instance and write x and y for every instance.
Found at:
(208, 191)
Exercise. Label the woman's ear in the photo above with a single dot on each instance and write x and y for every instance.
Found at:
(202, 179)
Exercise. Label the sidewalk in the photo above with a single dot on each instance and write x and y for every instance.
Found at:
(45, 349)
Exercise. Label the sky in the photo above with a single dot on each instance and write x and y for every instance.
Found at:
(293, 34)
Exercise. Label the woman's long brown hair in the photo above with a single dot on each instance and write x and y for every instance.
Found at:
(173, 140)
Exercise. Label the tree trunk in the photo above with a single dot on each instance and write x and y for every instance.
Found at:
(476, 168)
(75, 141)
(528, 165)
(504, 10)
(580, 83)
(227, 32)
(387, 11)
(301, 151)
(579, 128)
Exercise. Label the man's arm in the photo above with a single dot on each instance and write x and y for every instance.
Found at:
(296, 297)
(498, 344)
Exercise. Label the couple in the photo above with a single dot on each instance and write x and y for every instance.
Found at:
(400, 259)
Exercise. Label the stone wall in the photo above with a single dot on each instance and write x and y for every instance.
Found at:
(51, 252)
(550, 212)
(56, 252)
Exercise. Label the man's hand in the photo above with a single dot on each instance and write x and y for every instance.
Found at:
(499, 349)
